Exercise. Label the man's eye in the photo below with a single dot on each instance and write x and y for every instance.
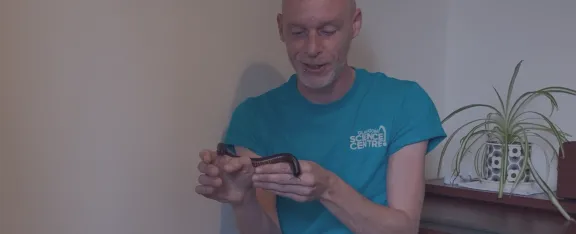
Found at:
(297, 31)
(328, 31)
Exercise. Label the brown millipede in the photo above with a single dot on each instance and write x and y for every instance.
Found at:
(228, 149)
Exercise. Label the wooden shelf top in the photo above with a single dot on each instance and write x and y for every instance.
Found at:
(537, 201)
(456, 210)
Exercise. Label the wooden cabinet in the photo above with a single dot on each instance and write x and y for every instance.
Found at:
(451, 210)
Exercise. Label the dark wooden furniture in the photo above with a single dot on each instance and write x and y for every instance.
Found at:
(567, 171)
(430, 231)
(454, 210)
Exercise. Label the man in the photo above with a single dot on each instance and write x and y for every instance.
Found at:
(361, 138)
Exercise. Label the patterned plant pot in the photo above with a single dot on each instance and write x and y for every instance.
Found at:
(494, 158)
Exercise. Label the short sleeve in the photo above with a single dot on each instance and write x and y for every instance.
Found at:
(417, 120)
(244, 128)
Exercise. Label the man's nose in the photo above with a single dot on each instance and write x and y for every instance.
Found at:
(313, 46)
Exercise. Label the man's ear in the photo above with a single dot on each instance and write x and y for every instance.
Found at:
(356, 22)
(280, 26)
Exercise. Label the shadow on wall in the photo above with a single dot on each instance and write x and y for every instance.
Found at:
(257, 79)
(361, 56)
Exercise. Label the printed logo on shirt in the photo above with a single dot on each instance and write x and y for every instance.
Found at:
(369, 138)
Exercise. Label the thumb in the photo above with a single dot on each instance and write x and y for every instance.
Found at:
(207, 156)
(236, 164)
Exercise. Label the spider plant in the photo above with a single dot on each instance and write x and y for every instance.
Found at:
(509, 124)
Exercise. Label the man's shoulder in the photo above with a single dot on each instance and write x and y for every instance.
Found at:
(271, 95)
(383, 84)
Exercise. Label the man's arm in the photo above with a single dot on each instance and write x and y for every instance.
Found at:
(257, 214)
(405, 189)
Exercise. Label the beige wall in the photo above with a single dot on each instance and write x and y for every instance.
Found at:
(482, 52)
(105, 104)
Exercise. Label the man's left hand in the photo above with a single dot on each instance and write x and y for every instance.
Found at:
(312, 184)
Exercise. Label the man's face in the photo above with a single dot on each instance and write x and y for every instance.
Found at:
(317, 34)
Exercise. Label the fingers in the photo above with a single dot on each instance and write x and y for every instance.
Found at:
(208, 185)
(205, 190)
(277, 168)
(208, 169)
(237, 164)
(233, 165)
(245, 161)
(209, 181)
(211, 167)
(209, 162)
(285, 179)
(287, 189)
(295, 197)
(276, 178)
(207, 156)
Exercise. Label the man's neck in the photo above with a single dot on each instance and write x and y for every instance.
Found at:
(332, 92)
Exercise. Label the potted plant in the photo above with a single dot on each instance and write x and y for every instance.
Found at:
(505, 137)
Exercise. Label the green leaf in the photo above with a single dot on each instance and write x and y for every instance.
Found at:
(501, 102)
(552, 126)
(511, 85)
(543, 127)
(527, 153)
(480, 160)
(533, 95)
(548, 91)
(561, 138)
(468, 107)
(503, 172)
(469, 146)
(545, 157)
(465, 147)
(450, 139)
(549, 193)
(547, 142)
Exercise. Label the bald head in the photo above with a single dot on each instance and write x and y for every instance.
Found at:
(317, 34)
(348, 4)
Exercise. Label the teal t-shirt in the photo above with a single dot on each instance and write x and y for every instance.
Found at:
(352, 137)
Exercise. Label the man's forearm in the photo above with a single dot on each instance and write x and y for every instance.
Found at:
(361, 215)
(251, 217)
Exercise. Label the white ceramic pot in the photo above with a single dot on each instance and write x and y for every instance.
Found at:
(494, 158)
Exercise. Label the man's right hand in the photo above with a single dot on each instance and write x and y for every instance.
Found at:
(224, 179)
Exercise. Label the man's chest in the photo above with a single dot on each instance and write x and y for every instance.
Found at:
(342, 141)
